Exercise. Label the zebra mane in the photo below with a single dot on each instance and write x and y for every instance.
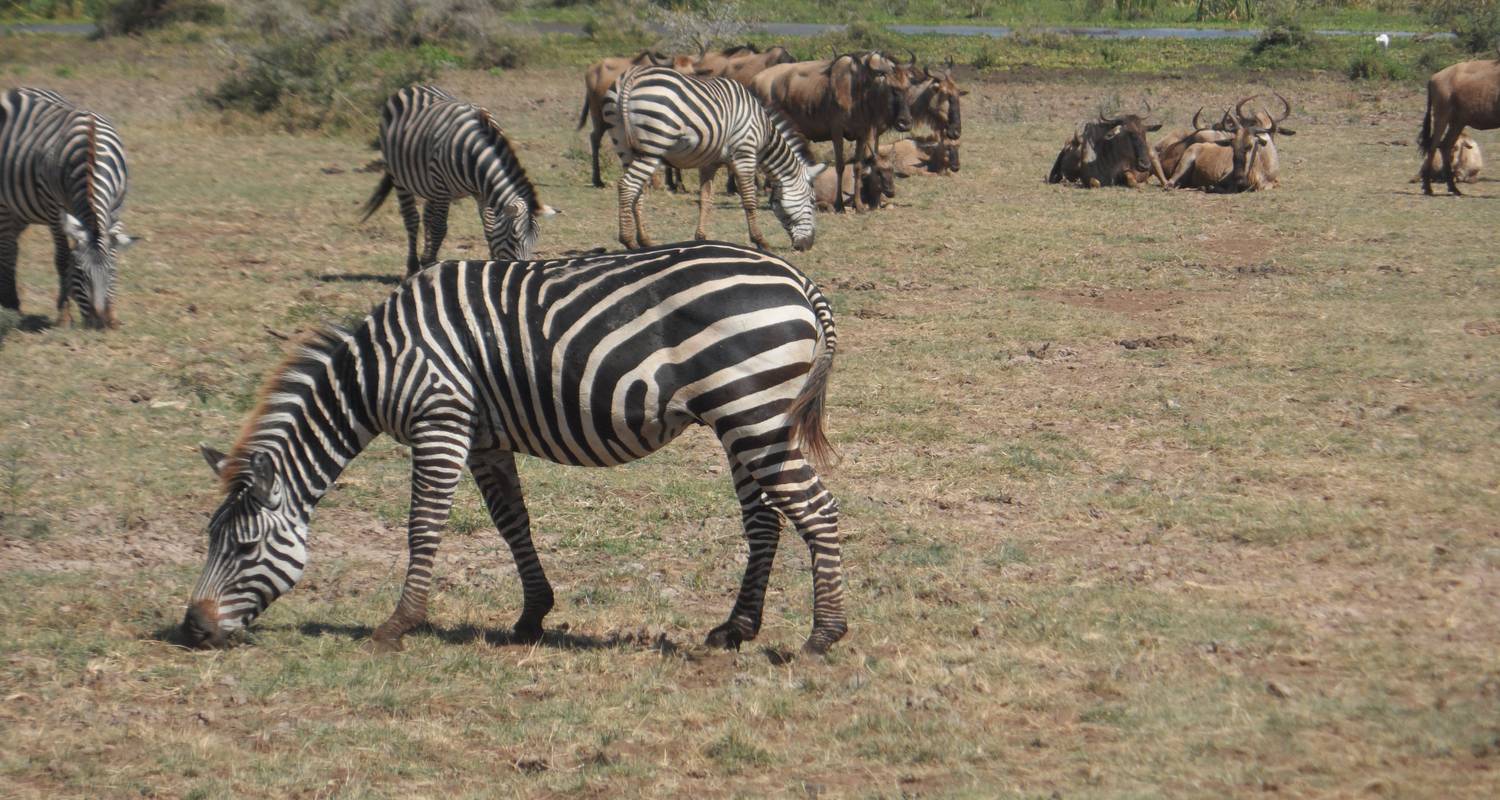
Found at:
(523, 181)
(307, 358)
(793, 137)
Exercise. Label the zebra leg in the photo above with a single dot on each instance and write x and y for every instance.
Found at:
(413, 221)
(62, 257)
(437, 462)
(705, 198)
(10, 232)
(434, 229)
(495, 472)
(632, 184)
(744, 170)
(762, 532)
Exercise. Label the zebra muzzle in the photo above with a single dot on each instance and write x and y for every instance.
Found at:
(200, 628)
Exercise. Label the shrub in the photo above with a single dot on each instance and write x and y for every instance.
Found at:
(1285, 44)
(1374, 63)
(1476, 23)
(135, 16)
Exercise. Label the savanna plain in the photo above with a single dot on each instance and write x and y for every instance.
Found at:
(1143, 493)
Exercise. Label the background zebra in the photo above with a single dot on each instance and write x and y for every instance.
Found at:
(441, 149)
(64, 167)
(657, 114)
(590, 361)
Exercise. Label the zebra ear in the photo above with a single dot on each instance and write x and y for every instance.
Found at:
(216, 460)
(547, 211)
(815, 170)
(77, 235)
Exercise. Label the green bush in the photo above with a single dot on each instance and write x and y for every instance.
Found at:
(1285, 44)
(118, 17)
(1476, 23)
(1374, 63)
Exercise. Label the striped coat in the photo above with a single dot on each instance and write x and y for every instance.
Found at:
(64, 167)
(593, 361)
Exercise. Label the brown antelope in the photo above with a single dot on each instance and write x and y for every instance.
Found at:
(1246, 162)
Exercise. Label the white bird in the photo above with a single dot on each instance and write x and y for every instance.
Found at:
(1384, 40)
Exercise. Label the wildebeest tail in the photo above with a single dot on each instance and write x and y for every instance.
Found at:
(1056, 175)
(381, 193)
(806, 412)
(1424, 138)
(583, 115)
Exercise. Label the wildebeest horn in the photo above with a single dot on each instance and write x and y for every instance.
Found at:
(912, 61)
(1147, 102)
(1239, 108)
(1286, 107)
(1196, 126)
(950, 62)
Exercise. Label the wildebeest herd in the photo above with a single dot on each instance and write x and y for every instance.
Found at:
(601, 359)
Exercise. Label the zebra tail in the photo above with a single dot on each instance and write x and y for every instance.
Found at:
(622, 98)
(806, 412)
(381, 193)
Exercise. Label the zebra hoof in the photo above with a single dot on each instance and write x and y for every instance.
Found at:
(822, 639)
(526, 632)
(383, 646)
(725, 637)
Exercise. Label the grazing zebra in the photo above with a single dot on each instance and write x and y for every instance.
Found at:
(441, 149)
(657, 114)
(62, 166)
(591, 361)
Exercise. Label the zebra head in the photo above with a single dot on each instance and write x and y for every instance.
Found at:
(256, 550)
(91, 278)
(792, 200)
(514, 235)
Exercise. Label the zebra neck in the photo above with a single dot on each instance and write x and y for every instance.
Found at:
(776, 156)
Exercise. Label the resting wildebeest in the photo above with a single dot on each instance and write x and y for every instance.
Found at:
(1246, 162)
(934, 102)
(1467, 161)
(1169, 148)
(1465, 95)
(877, 187)
(921, 156)
(850, 97)
(1111, 151)
(601, 75)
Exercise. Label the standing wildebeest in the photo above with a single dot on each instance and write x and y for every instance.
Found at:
(1463, 95)
(64, 167)
(1246, 162)
(597, 79)
(740, 64)
(851, 97)
(659, 115)
(1468, 160)
(1111, 151)
(934, 102)
(595, 361)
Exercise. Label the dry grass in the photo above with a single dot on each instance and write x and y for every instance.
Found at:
(1261, 559)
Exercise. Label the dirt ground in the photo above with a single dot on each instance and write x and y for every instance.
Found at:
(1144, 493)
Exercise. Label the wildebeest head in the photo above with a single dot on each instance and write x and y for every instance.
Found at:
(891, 79)
(1254, 145)
(1122, 139)
(946, 99)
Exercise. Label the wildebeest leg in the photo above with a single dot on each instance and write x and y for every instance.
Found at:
(495, 473)
(838, 171)
(1184, 164)
(595, 137)
(705, 194)
(744, 172)
(762, 533)
(62, 259)
(412, 219)
(632, 184)
(437, 462)
(10, 232)
(1448, 147)
(435, 229)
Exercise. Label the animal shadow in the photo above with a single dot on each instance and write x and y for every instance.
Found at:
(560, 639)
(360, 277)
(35, 323)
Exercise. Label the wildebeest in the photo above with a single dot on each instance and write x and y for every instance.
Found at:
(1467, 161)
(601, 75)
(921, 156)
(934, 101)
(1111, 151)
(876, 189)
(1246, 162)
(1170, 147)
(1465, 95)
(741, 63)
(851, 97)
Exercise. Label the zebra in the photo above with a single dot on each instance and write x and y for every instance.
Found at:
(62, 166)
(691, 122)
(442, 149)
(589, 361)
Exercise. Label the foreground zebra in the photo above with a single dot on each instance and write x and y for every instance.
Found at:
(441, 149)
(591, 361)
(657, 114)
(64, 167)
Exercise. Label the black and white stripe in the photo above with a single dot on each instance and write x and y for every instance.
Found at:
(592, 361)
(656, 114)
(64, 167)
(441, 149)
